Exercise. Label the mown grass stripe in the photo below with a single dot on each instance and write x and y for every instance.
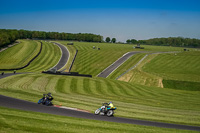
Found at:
(122, 89)
(86, 86)
(42, 60)
(110, 88)
(19, 55)
(40, 83)
(60, 86)
(47, 59)
(73, 85)
(98, 87)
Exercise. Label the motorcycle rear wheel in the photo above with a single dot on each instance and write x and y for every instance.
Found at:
(110, 113)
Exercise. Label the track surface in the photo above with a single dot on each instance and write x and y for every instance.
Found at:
(30, 106)
(116, 64)
(8, 74)
(64, 58)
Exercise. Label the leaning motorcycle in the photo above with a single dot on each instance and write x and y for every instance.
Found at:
(45, 102)
(102, 111)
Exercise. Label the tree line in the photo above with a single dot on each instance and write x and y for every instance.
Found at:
(170, 41)
(108, 40)
(8, 36)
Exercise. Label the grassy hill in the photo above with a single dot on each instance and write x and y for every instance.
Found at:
(19, 55)
(183, 66)
(138, 76)
(133, 101)
(180, 71)
(158, 89)
(93, 61)
(48, 58)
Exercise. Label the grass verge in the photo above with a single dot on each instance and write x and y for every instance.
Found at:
(12, 120)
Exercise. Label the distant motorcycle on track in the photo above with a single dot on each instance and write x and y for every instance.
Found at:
(104, 110)
(46, 100)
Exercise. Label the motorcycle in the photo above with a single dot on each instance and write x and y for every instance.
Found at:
(102, 111)
(45, 101)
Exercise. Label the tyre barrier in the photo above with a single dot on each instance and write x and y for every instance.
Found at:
(73, 60)
(67, 73)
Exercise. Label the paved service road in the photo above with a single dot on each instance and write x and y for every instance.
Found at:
(64, 58)
(30, 106)
(117, 63)
(8, 74)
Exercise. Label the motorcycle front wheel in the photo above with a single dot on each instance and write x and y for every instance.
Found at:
(40, 101)
(97, 112)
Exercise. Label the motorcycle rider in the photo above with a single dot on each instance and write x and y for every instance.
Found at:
(44, 98)
(49, 97)
(108, 105)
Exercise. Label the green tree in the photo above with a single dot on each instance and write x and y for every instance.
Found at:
(128, 41)
(133, 41)
(107, 39)
(113, 40)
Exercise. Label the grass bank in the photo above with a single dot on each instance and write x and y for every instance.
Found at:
(19, 55)
(133, 101)
(14, 121)
(48, 58)
(92, 61)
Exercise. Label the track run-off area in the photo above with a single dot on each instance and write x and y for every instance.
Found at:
(30, 106)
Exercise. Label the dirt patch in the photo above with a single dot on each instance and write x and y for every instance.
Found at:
(160, 83)
(126, 77)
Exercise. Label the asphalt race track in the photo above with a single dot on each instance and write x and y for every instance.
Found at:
(8, 74)
(64, 57)
(30, 106)
(116, 64)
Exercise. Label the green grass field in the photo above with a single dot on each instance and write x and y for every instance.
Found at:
(179, 71)
(48, 58)
(19, 55)
(183, 66)
(92, 61)
(163, 87)
(138, 76)
(15, 121)
(133, 101)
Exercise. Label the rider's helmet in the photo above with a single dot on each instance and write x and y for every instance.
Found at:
(49, 94)
(109, 102)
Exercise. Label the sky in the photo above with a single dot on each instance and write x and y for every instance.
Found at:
(122, 19)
